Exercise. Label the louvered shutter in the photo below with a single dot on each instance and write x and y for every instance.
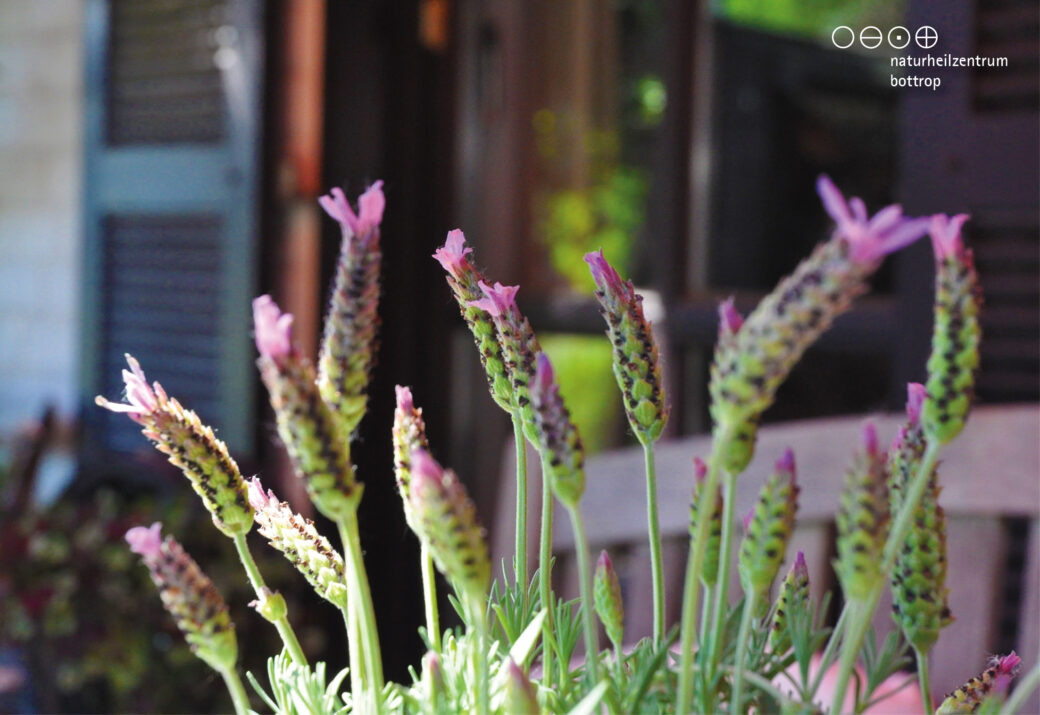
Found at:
(972, 146)
(171, 139)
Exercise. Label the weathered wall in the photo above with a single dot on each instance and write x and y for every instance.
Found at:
(41, 115)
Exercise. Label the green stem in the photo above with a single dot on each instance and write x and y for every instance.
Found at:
(361, 600)
(481, 693)
(285, 630)
(1022, 691)
(520, 556)
(237, 690)
(433, 621)
(357, 668)
(742, 639)
(655, 543)
(924, 680)
(545, 577)
(828, 651)
(585, 577)
(721, 587)
(860, 622)
(694, 564)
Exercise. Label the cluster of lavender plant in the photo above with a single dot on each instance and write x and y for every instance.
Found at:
(515, 650)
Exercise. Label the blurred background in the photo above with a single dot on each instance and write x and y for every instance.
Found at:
(159, 167)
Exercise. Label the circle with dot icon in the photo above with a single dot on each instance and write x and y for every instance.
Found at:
(898, 37)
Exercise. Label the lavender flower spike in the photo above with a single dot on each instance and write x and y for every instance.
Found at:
(409, 434)
(464, 280)
(993, 682)
(297, 538)
(317, 442)
(956, 332)
(710, 570)
(519, 347)
(189, 596)
(445, 521)
(863, 519)
(753, 358)
(558, 437)
(190, 446)
(920, 603)
(636, 363)
(349, 345)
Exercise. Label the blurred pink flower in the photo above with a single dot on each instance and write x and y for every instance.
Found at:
(869, 239)
(272, 328)
(370, 209)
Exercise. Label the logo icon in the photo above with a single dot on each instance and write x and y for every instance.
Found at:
(843, 29)
(898, 37)
(870, 37)
(926, 37)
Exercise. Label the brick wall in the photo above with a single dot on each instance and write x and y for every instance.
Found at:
(41, 117)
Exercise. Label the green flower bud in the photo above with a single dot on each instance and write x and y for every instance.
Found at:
(862, 520)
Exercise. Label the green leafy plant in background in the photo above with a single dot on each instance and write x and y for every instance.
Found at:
(519, 647)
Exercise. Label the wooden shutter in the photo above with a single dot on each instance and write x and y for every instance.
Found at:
(171, 138)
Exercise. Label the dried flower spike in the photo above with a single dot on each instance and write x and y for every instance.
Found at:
(768, 529)
(349, 345)
(189, 445)
(710, 571)
(297, 538)
(636, 361)
(993, 682)
(446, 521)
(318, 445)
(754, 356)
(919, 593)
(189, 595)
(956, 332)
(558, 437)
(793, 599)
(464, 280)
(606, 594)
(409, 434)
(519, 346)
(862, 520)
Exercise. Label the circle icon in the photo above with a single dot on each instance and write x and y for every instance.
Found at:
(834, 37)
(898, 37)
(870, 37)
(926, 37)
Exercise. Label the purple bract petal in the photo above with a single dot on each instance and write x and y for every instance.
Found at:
(869, 239)
(606, 278)
(272, 328)
(730, 320)
(499, 299)
(915, 395)
(404, 399)
(258, 498)
(453, 253)
(370, 207)
(870, 438)
(145, 541)
(786, 462)
(700, 469)
(946, 235)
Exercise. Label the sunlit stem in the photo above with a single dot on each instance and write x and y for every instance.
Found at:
(520, 556)
(237, 690)
(585, 577)
(545, 577)
(742, 644)
(481, 692)
(361, 602)
(694, 564)
(655, 542)
(721, 587)
(924, 680)
(433, 622)
(828, 651)
(860, 618)
(292, 644)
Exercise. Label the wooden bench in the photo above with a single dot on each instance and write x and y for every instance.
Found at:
(991, 494)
